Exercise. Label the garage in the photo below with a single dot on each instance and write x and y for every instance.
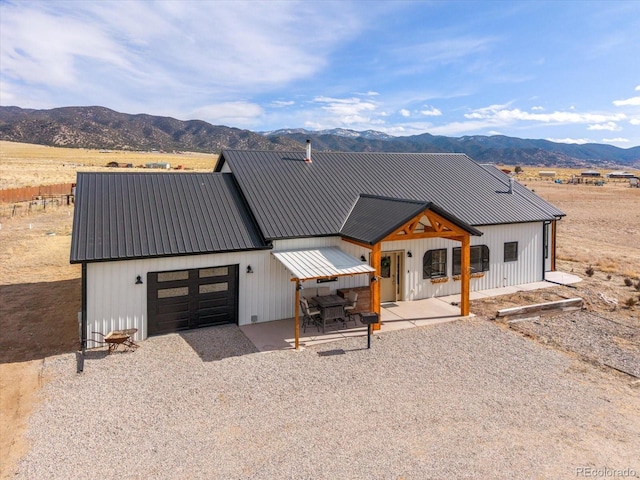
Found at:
(185, 299)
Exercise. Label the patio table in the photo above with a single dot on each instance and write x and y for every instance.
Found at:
(331, 307)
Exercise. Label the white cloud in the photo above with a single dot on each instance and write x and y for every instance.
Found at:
(229, 113)
(486, 112)
(537, 109)
(404, 112)
(634, 101)
(615, 140)
(612, 126)
(637, 89)
(504, 116)
(431, 111)
(41, 47)
(635, 121)
(347, 111)
(443, 51)
(282, 103)
(162, 53)
(579, 141)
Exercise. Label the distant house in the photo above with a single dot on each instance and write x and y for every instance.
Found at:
(163, 253)
(162, 165)
(547, 173)
(620, 175)
(590, 174)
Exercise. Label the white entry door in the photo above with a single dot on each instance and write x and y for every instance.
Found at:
(391, 276)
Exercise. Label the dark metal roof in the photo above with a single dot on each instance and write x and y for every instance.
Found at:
(135, 215)
(373, 217)
(526, 194)
(292, 198)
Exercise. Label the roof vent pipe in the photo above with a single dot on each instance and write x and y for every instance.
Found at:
(308, 157)
(511, 182)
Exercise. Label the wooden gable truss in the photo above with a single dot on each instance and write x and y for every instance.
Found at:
(427, 224)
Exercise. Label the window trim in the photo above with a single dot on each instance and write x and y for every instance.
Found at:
(485, 259)
(514, 256)
(428, 263)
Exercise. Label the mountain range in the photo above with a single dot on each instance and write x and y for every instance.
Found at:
(102, 128)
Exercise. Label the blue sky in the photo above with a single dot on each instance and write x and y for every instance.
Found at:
(567, 71)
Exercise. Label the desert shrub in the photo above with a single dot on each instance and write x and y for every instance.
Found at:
(637, 285)
(607, 265)
(631, 302)
(589, 271)
(608, 277)
(628, 282)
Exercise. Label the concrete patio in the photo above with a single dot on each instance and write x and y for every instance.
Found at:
(279, 334)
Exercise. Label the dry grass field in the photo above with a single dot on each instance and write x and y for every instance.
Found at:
(26, 165)
(40, 290)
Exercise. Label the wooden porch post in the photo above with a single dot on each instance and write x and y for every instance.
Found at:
(376, 254)
(553, 246)
(465, 277)
(296, 308)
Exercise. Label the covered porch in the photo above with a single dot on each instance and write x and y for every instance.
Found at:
(317, 264)
(279, 334)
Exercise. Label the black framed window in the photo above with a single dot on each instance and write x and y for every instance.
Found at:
(479, 259)
(434, 263)
(510, 251)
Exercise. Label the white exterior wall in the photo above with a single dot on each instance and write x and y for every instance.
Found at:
(527, 269)
(114, 302)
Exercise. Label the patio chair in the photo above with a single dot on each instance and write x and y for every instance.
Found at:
(324, 291)
(309, 316)
(349, 308)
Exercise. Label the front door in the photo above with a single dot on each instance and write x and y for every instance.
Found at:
(390, 276)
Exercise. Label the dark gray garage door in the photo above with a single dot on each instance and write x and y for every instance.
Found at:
(184, 299)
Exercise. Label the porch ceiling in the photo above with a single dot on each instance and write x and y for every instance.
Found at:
(307, 264)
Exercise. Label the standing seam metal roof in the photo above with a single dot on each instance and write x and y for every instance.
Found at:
(134, 215)
(373, 218)
(292, 198)
(321, 262)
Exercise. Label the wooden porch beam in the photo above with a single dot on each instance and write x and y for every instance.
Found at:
(553, 247)
(465, 277)
(360, 244)
(374, 286)
(427, 234)
(296, 309)
(439, 223)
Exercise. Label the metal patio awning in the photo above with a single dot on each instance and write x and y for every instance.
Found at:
(325, 262)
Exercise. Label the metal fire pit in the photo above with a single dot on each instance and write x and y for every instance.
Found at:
(369, 318)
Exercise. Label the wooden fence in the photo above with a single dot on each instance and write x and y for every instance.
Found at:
(25, 194)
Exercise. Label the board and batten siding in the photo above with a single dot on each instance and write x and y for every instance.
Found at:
(527, 269)
(115, 302)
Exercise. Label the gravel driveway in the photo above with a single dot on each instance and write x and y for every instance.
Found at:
(466, 399)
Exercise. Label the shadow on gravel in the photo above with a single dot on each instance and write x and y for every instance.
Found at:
(217, 343)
